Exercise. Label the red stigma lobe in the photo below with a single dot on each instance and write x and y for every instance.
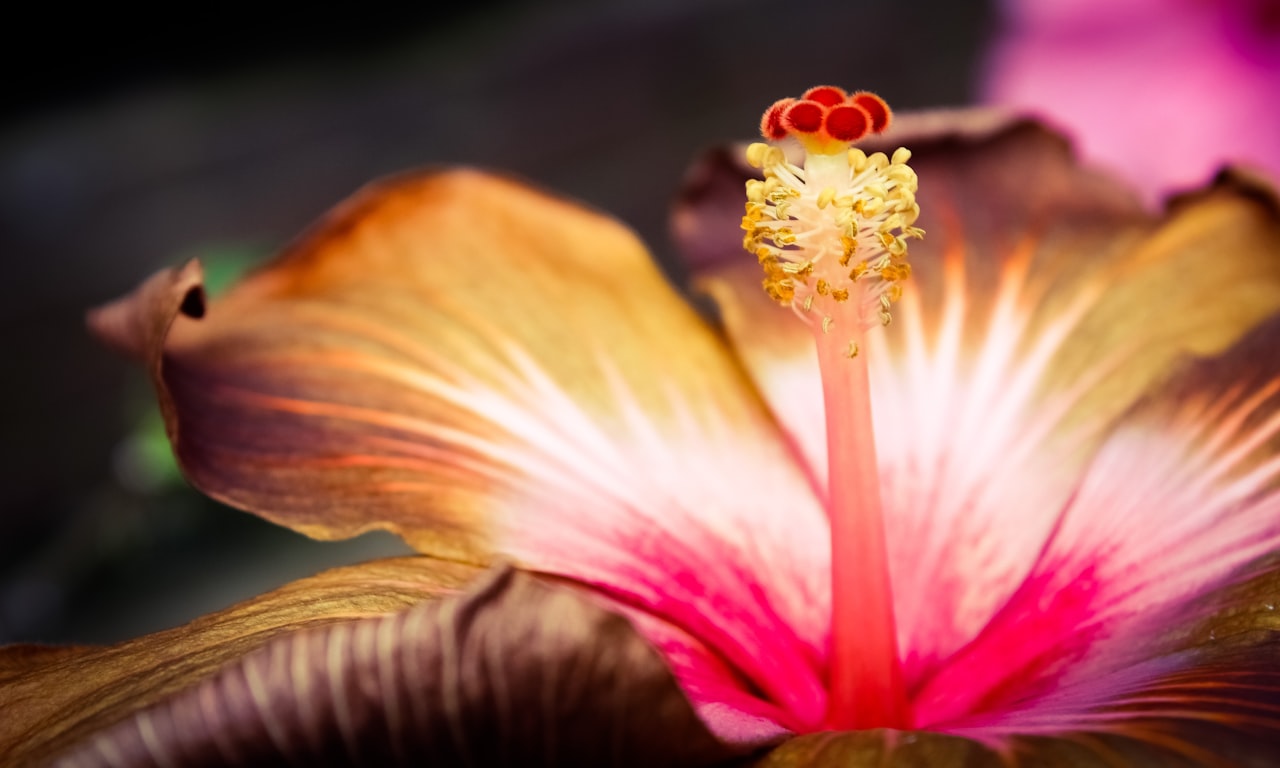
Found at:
(771, 126)
(847, 122)
(826, 95)
(826, 118)
(804, 117)
(876, 107)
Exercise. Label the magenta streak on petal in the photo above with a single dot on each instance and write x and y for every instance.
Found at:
(1159, 519)
(648, 551)
(770, 665)
(724, 550)
(1018, 654)
(959, 517)
(729, 704)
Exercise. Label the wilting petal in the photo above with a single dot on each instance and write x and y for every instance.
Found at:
(514, 672)
(484, 368)
(52, 697)
(1044, 300)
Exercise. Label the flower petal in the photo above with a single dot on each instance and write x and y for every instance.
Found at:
(1044, 301)
(483, 368)
(1136, 606)
(879, 749)
(52, 697)
(1152, 744)
(512, 672)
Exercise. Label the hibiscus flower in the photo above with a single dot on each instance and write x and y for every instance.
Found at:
(1070, 423)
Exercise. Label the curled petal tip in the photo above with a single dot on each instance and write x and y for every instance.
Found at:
(136, 324)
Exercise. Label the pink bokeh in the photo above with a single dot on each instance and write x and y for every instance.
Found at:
(1164, 92)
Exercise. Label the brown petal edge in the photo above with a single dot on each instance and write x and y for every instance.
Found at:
(136, 325)
(513, 672)
(52, 697)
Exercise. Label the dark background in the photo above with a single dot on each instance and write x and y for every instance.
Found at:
(124, 150)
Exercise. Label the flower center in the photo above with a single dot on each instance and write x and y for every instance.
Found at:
(833, 232)
(831, 235)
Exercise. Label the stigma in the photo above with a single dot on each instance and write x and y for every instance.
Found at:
(831, 232)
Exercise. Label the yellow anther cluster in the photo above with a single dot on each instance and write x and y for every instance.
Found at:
(833, 231)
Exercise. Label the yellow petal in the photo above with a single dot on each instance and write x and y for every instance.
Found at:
(487, 369)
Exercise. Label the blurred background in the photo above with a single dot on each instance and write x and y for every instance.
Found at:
(128, 151)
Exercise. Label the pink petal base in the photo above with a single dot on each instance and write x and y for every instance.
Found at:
(1163, 516)
(721, 555)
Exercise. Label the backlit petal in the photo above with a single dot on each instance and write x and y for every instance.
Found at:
(486, 369)
(1132, 609)
(1044, 301)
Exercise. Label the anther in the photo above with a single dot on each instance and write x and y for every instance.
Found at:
(857, 160)
(835, 230)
